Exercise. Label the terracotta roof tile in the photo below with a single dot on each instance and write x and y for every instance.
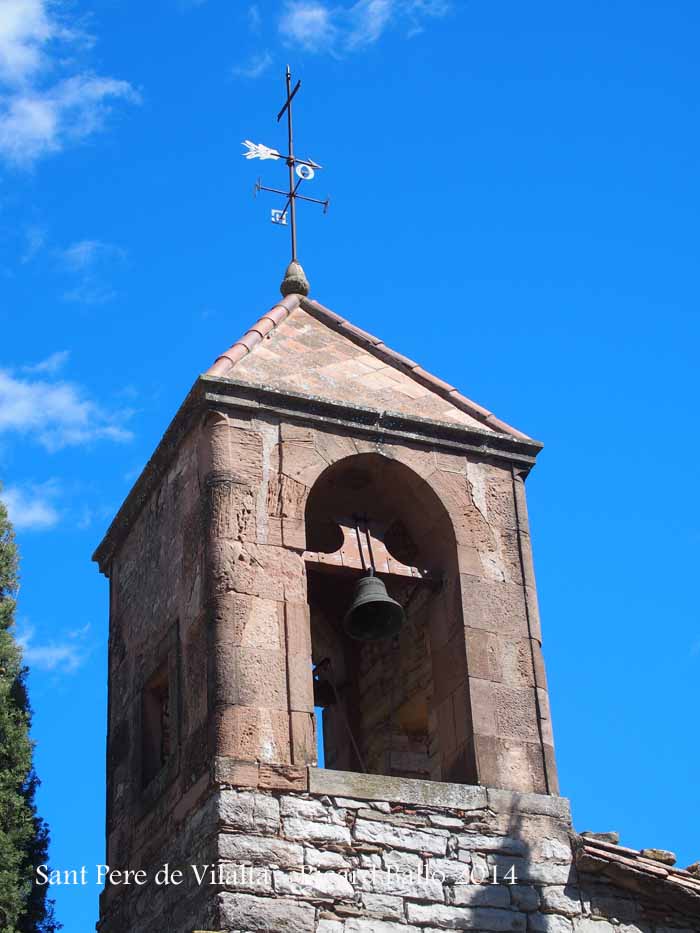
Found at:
(657, 882)
(224, 363)
(374, 345)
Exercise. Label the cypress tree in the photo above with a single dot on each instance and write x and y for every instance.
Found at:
(24, 838)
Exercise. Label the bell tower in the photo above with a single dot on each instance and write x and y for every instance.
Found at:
(328, 538)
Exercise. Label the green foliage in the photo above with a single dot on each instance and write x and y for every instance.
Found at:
(24, 838)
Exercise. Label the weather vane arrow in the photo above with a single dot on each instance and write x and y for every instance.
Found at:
(260, 151)
(300, 170)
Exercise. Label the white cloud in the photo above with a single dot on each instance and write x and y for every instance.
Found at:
(56, 414)
(41, 110)
(256, 66)
(254, 18)
(369, 20)
(90, 293)
(63, 655)
(320, 27)
(31, 509)
(309, 25)
(51, 364)
(90, 258)
(24, 29)
(82, 254)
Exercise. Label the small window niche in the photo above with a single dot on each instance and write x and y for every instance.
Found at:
(156, 725)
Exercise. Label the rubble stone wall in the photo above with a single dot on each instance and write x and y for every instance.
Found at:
(285, 862)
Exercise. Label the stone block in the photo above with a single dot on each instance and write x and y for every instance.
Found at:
(247, 621)
(249, 734)
(301, 686)
(333, 445)
(230, 508)
(317, 884)
(478, 842)
(250, 677)
(528, 871)
(247, 912)
(482, 895)
(550, 923)
(494, 607)
(303, 738)
(502, 660)
(257, 570)
(357, 925)
(248, 811)
(286, 498)
(510, 764)
(491, 920)
(402, 862)
(307, 809)
(561, 899)
(396, 790)
(446, 822)
(531, 804)
(325, 860)
(274, 776)
(503, 711)
(329, 926)
(260, 850)
(411, 886)
(231, 771)
(524, 897)
(246, 454)
(312, 832)
(383, 906)
(384, 834)
(301, 461)
(588, 925)
(294, 533)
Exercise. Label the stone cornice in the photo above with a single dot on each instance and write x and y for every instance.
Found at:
(215, 392)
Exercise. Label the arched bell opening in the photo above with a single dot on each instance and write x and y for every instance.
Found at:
(395, 705)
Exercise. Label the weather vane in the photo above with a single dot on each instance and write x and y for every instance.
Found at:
(300, 170)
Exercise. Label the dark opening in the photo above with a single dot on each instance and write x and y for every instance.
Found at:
(397, 705)
(155, 728)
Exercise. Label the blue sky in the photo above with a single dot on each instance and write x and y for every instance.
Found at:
(514, 202)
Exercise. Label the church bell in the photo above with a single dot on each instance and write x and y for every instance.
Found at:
(373, 614)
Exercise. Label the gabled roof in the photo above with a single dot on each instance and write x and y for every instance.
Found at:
(299, 344)
(661, 885)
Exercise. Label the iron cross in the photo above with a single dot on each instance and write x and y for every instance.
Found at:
(300, 170)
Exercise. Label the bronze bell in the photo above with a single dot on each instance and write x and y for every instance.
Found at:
(373, 614)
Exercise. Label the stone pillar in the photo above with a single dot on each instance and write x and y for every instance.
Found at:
(261, 697)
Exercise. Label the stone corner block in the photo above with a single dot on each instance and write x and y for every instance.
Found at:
(531, 804)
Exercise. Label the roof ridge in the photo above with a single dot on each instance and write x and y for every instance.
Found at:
(223, 364)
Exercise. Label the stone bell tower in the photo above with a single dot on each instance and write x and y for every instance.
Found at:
(309, 456)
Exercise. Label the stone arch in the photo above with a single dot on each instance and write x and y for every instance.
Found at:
(398, 706)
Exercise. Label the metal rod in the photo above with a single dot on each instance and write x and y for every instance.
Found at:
(291, 196)
(289, 98)
(359, 544)
(298, 161)
(290, 160)
(369, 547)
(292, 193)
